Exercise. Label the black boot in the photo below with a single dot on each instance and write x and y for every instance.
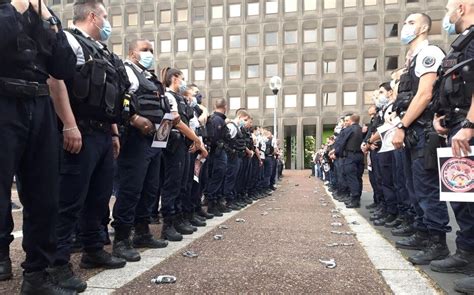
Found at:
(64, 277)
(39, 283)
(101, 259)
(123, 245)
(355, 203)
(222, 207)
(204, 214)
(394, 223)
(418, 241)
(464, 285)
(233, 206)
(436, 250)
(371, 206)
(144, 239)
(405, 229)
(168, 232)
(385, 220)
(214, 209)
(5, 267)
(181, 226)
(195, 220)
(461, 262)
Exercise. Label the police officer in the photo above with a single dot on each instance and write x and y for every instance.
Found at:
(217, 158)
(245, 173)
(342, 192)
(415, 93)
(33, 47)
(235, 149)
(175, 157)
(454, 102)
(139, 162)
(86, 178)
(349, 149)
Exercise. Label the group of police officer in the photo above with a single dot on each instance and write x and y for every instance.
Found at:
(429, 103)
(72, 111)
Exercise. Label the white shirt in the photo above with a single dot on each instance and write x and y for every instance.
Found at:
(194, 122)
(428, 58)
(172, 100)
(232, 130)
(76, 47)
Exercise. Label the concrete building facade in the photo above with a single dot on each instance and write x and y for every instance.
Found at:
(330, 54)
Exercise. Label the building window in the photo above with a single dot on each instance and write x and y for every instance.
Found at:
(148, 17)
(370, 64)
(290, 69)
(252, 71)
(309, 5)
(116, 21)
(217, 12)
(165, 46)
(309, 36)
(234, 41)
(271, 6)
(271, 70)
(56, 2)
(370, 32)
(270, 102)
(198, 13)
(310, 68)
(200, 75)
(252, 102)
(291, 37)
(370, 2)
(253, 9)
(350, 65)
(350, 3)
(182, 45)
(133, 19)
(435, 27)
(217, 73)
(329, 4)
(234, 72)
(199, 43)
(185, 74)
(165, 16)
(290, 101)
(182, 15)
(368, 97)
(117, 48)
(271, 38)
(350, 33)
(391, 62)
(217, 42)
(291, 6)
(234, 10)
(329, 98)
(329, 66)
(309, 99)
(329, 34)
(391, 1)
(234, 103)
(252, 40)
(391, 30)
(350, 98)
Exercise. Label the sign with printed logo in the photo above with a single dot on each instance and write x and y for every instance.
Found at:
(456, 176)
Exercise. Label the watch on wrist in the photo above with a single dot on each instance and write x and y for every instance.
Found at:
(401, 126)
(53, 21)
(467, 124)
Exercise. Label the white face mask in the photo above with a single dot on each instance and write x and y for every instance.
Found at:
(408, 34)
(146, 59)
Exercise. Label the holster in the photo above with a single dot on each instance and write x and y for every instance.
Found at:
(433, 141)
(411, 138)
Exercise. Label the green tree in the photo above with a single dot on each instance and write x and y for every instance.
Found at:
(309, 147)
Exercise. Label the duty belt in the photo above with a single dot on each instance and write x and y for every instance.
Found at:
(93, 125)
(18, 87)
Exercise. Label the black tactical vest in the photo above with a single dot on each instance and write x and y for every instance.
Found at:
(455, 81)
(98, 89)
(185, 111)
(354, 142)
(238, 143)
(407, 89)
(149, 101)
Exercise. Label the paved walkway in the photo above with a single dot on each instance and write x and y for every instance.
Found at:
(276, 250)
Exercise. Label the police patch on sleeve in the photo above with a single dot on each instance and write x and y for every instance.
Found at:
(429, 61)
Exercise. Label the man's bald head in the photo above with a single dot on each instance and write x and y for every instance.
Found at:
(421, 21)
(221, 103)
(460, 13)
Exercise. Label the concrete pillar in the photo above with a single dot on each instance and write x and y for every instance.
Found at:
(319, 132)
(299, 145)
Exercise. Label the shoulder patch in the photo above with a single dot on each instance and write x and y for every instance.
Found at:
(428, 61)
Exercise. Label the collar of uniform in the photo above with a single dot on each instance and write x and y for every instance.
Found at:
(419, 48)
(87, 35)
(220, 115)
(140, 70)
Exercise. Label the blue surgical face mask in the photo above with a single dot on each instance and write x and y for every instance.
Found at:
(383, 101)
(146, 59)
(193, 102)
(105, 31)
(408, 34)
(182, 86)
(449, 27)
(241, 123)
